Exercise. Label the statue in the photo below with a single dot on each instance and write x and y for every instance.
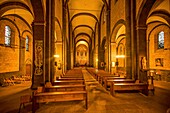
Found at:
(143, 62)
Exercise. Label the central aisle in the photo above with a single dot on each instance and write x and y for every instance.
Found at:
(100, 101)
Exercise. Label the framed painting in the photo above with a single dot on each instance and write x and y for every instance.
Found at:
(159, 62)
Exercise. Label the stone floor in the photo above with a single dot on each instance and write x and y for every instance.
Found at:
(99, 100)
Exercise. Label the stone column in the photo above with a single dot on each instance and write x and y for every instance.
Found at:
(90, 54)
(141, 52)
(38, 54)
(64, 40)
(113, 57)
(108, 39)
(52, 41)
(49, 40)
(128, 39)
(22, 56)
(133, 39)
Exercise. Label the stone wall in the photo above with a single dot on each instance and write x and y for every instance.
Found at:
(117, 12)
(154, 52)
(9, 56)
(13, 59)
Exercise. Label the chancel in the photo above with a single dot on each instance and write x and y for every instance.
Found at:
(85, 56)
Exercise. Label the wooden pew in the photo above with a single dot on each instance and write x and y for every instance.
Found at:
(92, 71)
(58, 97)
(111, 78)
(100, 73)
(95, 72)
(70, 78)
(109, 82)
(74, 72)
(129, 87)
(65, 88)
(102, 78)
(68, 82)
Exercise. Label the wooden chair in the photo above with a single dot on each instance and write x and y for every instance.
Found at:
(23, 100)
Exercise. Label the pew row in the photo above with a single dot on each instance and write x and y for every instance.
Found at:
(108, 83)
(65, 88)
(58, 97)
(71, 76)
(105, 79)
(129, 87)
(65, 78)
(68, 82)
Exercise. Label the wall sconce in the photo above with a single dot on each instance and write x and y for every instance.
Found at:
(96, 60)
(113, 64)
(152, 72)
(96, 70)
(56, 56)
(120, 56)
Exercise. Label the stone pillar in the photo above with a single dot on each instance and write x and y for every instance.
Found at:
(22, 64)
(141, 51)
(133, 39)
(49, 40)
(38, 54)
(64, 40)
(108, 39)
(98, 41)
(90, 54)
(101, 58)
(128, 39)
(113, 57)
(52, 41)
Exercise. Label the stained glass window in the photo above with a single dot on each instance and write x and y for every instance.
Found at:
(7, 36)
(161, 40)
(27, 43)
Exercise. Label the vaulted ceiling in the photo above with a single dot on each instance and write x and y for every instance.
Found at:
(84, 16)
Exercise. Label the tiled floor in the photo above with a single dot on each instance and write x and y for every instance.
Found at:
(99, 100)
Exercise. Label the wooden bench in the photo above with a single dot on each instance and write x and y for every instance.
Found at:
(128, 87)
(99, 74)
(65, 88)
(68, 82)
(111, 78)
(58, 97)
(103, 77)
(70, 78)
(109, 82)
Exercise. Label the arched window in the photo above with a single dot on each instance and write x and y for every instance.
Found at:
(27, 43)
(7, 36)
(121, 50)
(161, 40)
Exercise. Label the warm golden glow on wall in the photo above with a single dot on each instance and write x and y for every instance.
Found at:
(120, 56)
(82, 42)
(56, 56)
